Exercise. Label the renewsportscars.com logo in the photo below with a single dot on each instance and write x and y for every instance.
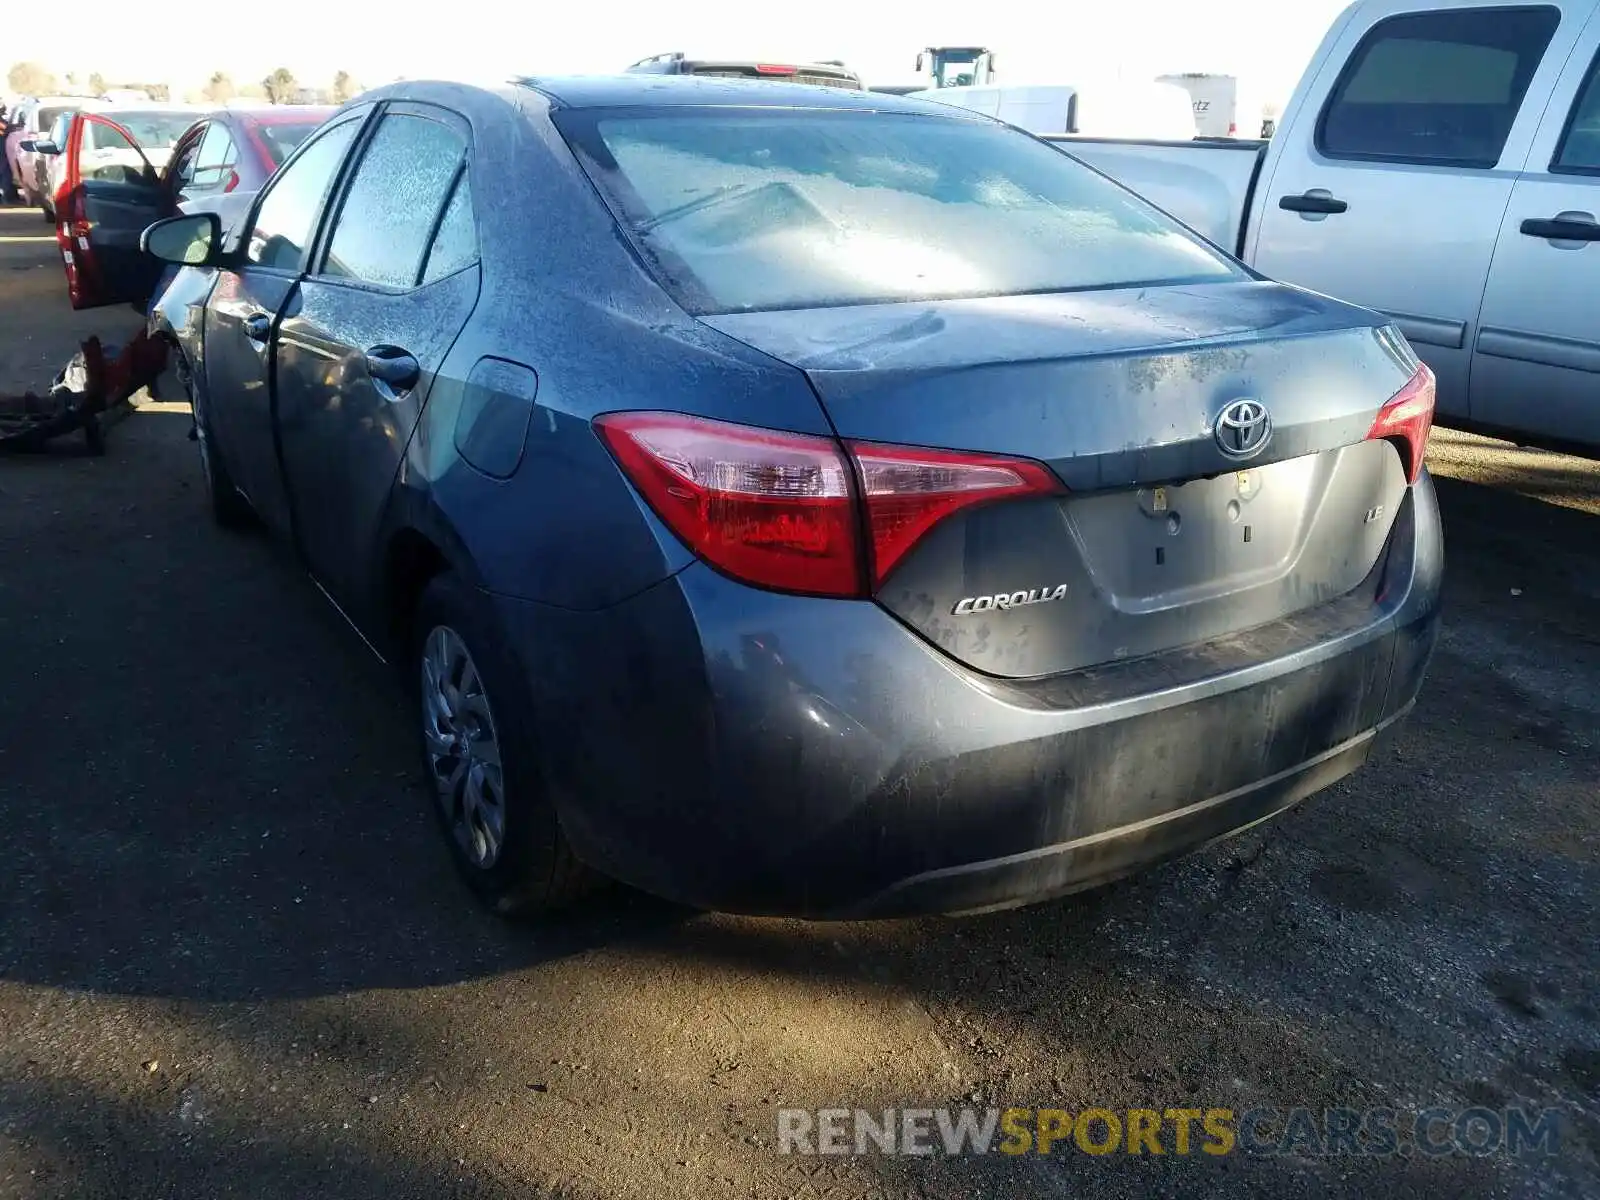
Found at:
(1304, 1132)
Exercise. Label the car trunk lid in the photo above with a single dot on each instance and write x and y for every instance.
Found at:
(1172, 531)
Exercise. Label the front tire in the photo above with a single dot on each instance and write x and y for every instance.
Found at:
(479, 754)
(229, 508)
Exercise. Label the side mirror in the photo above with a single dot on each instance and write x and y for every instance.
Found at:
(46, 148)
(27, 145)
(194, 240)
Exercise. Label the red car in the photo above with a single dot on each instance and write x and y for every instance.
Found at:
(115, 190)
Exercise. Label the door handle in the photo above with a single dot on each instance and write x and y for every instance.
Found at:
(393, 366)
(1562, 229)
(258, 327)
(1313, 202)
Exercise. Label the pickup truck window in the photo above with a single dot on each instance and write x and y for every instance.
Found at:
(756, 209)
(1580, 146)
(1436, 87)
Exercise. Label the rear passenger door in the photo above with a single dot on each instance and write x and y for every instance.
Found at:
(1537, 367)
(391, 287)
(1395, 200)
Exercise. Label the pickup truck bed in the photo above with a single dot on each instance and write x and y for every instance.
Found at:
(1207, 184)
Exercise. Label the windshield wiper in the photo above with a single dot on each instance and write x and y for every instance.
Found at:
(721, 195)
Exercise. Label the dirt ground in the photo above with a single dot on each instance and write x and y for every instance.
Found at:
(234, 960)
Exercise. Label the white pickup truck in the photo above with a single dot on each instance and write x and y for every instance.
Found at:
(1440, 162)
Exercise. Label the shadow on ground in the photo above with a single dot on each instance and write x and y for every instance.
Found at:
(219, 862)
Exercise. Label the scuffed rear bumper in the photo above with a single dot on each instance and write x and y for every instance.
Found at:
(760, 753)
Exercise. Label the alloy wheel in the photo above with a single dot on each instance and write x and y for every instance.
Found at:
(462, 747)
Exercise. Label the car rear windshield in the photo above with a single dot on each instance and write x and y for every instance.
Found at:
(281, 138)
(47, 116)
(154, 130)
(744, 210)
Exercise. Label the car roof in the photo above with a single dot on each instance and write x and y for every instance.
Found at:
(282, 114)
(154, 106)
(652, 91)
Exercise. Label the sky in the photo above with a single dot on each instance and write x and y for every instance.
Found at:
(1265, 43)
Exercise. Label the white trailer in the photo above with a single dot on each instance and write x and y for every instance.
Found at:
(1216, 102)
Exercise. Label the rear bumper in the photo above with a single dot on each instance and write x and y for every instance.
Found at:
(759, 753)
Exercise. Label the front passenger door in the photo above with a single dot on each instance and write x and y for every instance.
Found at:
(367, 330)
(244, 311)
(110, 194)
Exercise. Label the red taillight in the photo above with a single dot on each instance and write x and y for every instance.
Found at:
(774, 509)
(779, 510)
(233, 181)
(774, 69)
(908, 491)
(1407, 419)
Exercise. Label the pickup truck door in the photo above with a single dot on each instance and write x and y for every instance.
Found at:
(1537, 366)
(1396, 166)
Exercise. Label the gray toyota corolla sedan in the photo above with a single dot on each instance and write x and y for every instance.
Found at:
(794, 501)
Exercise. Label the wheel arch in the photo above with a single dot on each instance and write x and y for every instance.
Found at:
(411, 560)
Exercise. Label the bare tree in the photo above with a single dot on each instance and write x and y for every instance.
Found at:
(30, 79)
(345, 87)
(219, 88)
(280, 86)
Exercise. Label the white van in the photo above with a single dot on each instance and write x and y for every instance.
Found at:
(1121, 110)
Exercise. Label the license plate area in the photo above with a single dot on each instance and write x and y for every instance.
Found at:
(1177, 543)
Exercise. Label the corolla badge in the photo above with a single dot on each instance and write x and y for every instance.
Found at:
(1009, 600)
(1244, 427)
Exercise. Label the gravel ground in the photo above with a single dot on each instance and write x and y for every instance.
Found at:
(234, 960)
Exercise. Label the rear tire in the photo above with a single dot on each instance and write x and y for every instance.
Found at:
(480, 757)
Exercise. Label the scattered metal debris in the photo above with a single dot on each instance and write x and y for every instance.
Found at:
(86, 395)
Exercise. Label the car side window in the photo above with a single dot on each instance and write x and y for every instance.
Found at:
(1580, 146)
(216, 159)
(287, 216)
(388, 216)
(455, 245)
(1436, 87)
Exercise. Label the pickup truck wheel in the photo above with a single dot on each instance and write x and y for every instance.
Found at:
(479, 753)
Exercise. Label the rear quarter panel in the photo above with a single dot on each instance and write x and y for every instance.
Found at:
(564, 298)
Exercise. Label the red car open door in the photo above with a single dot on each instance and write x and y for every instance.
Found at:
(110, 195)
